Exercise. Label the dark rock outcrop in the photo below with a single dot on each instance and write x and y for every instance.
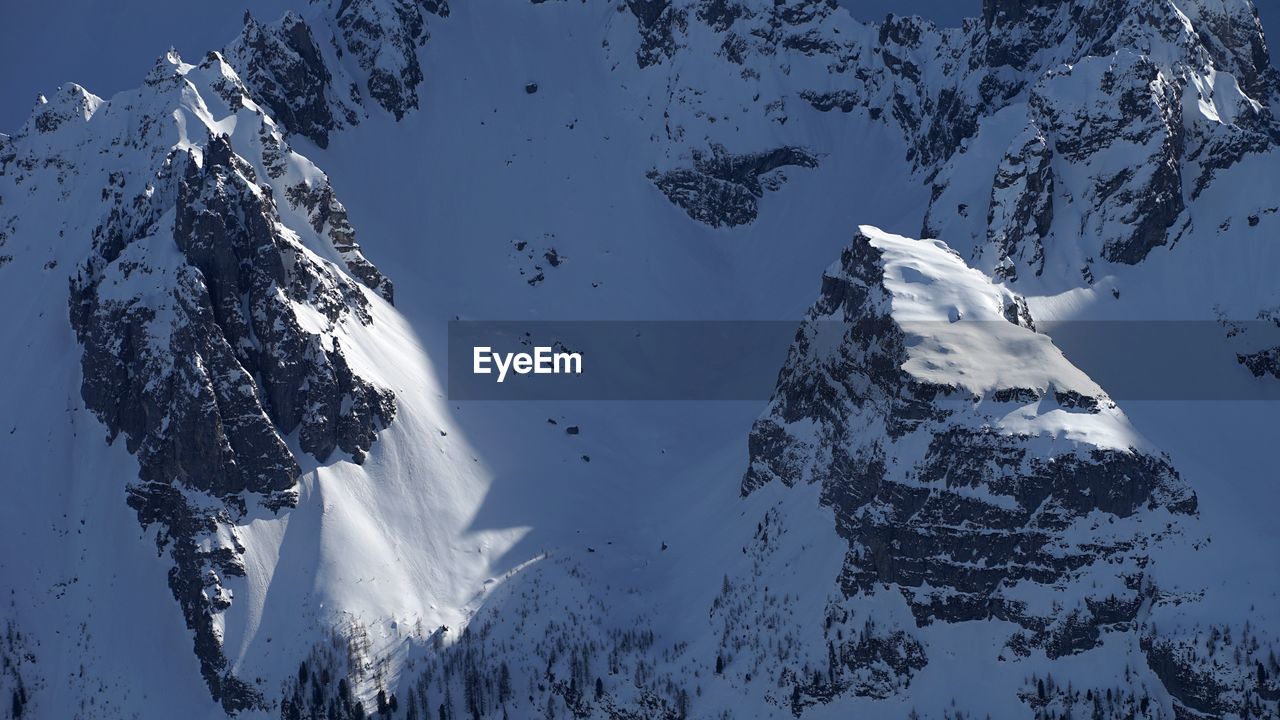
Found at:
(317, 76)
(283, 66)
(1261, 358)
(1132, 207)
(724, 189)
(328, 217)
(659, 20)
(1262, 362)
(1021, 209)
(383, 39)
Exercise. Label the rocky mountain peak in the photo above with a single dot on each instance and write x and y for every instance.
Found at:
(1012, 11)
(965, 460)
(946, 504)
(206, 377)
(215, 299)
(70, 103)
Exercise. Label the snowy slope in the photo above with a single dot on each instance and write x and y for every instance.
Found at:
(685, 160)
(296, 583)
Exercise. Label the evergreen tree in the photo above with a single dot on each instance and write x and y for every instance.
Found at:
(504, 684)
(411, 709)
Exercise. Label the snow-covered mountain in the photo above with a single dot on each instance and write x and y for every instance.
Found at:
(234, 482)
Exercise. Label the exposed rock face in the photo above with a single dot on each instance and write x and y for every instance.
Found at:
(963, 485)
(72, 103)
(1262, 362)
(199, 533)
(1231, 34)
(320, 74)
(209, 325)
(1021, 210)
(1099, 124)
(1128, 143)
(1137, 107)
(20, 691)
(383, 37)
(1133, 198)
(205, 377)
(1009, 488)
(724, 189)
(235, 294)
(287, 71)
(304, 375)
(865, 662)
(1012, 11)
(659, 20)
(1134, 131)
(1257, 354)
(329, 217)
(1013, 492)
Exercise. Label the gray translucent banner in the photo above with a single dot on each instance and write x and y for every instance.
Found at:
(740, 360)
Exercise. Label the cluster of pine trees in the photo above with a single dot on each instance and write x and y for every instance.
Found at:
(1128, 700)
(538, 653)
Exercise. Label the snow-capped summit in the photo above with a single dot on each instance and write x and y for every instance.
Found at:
(230, 330)
(968, 464)
(234, 482)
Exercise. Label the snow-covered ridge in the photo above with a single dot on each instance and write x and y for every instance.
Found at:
(1010, 481)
